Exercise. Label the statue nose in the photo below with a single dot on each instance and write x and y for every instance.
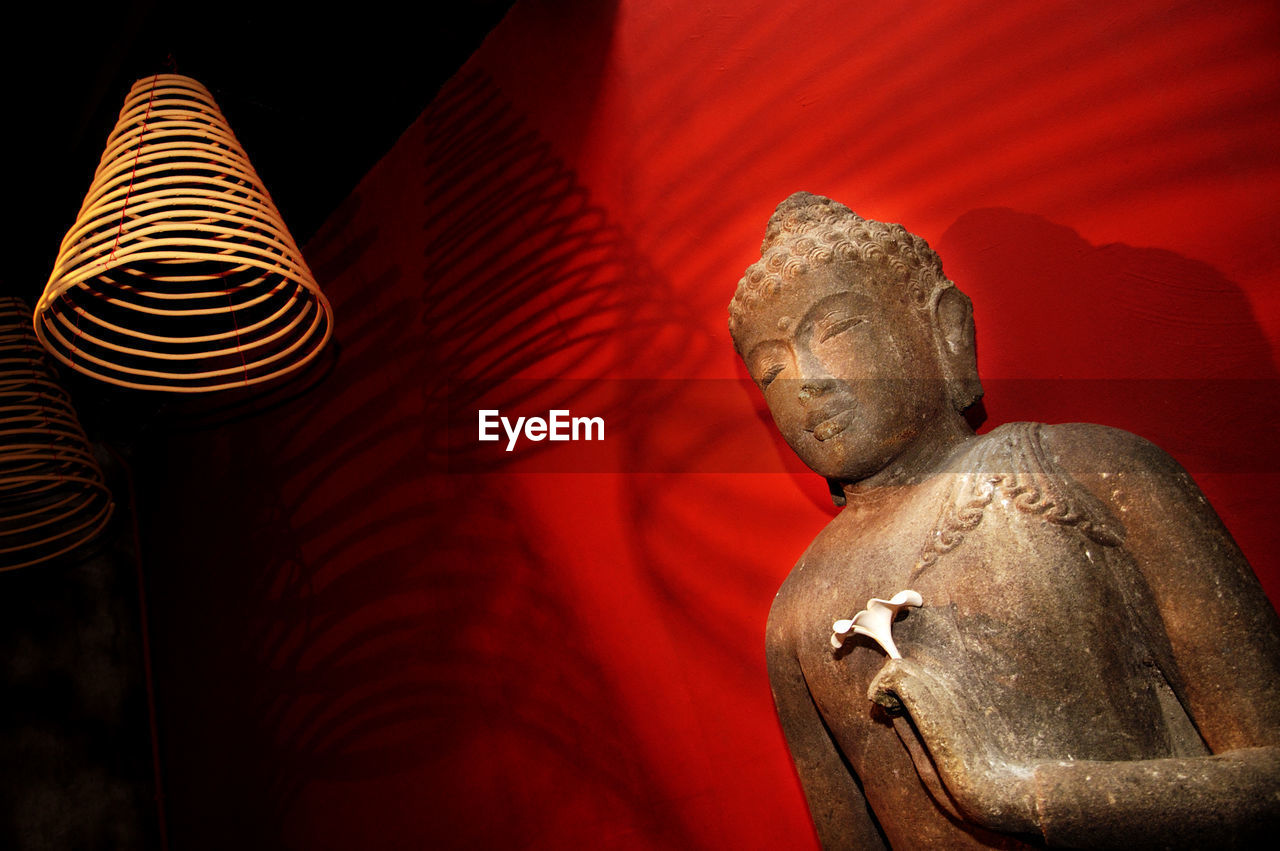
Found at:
(812, 390)
(814, 375)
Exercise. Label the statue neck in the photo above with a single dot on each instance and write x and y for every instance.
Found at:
(926, 455)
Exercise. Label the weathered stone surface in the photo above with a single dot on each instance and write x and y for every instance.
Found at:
(1094, 665)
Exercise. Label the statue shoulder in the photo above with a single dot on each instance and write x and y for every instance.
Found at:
(1096, 457)
(1093, 448)
(1123, 470)
(1076, 447)
(1097, 479)
(1026, 466)
(788, 604)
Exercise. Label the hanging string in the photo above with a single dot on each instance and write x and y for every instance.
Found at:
(142, 134)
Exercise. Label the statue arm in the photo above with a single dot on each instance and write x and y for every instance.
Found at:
(1222, 630)
(836, 802)
(1226, 800)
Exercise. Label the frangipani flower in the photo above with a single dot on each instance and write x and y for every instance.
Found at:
(876, 621)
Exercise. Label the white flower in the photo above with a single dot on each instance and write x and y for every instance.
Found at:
(876, 621)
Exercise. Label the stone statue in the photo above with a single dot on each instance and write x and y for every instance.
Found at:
(1092, 662)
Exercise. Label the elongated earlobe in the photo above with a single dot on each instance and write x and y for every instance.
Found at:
(954, 314)
(953, 321)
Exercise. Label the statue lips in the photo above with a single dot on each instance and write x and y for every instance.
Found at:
(827, 424)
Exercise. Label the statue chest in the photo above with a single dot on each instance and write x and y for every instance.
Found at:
(1030, 625)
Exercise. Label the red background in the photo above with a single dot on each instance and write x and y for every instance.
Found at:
(369, 633)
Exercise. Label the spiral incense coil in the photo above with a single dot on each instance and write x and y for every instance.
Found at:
(52, 496)
(178, 273)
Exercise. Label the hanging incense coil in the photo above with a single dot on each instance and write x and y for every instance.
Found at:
(178, 273)
(52, 496)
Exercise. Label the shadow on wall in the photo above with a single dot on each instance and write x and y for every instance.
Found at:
(1138, 338)
(345, 627)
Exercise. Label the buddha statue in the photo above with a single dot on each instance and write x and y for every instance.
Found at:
(1081, 656)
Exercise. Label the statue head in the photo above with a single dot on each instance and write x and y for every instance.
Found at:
(854, 335)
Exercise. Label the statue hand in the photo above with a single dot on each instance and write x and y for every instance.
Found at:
(927, 712)
(896, 675)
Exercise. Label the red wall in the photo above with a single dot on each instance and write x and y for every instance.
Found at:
(373, 632)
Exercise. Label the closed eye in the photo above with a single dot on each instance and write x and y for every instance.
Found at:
(771, 373)
(838, 326)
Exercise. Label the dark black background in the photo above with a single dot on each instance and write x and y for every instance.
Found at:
(315, 97)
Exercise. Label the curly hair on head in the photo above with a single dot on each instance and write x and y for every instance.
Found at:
(808, 230)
